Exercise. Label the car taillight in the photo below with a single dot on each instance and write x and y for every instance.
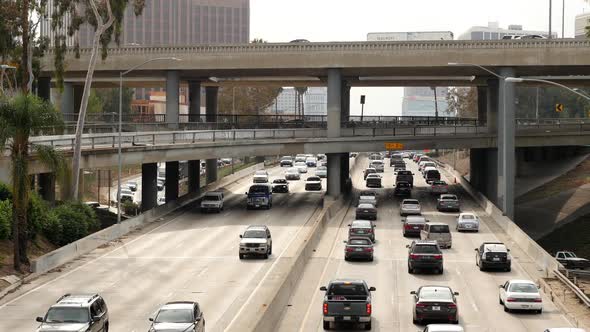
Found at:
(325, 308)
(437, 256)
(538, 300)
(413, 256)
(370, 231)
(421, 305)
(452, 306)
(369, 309)
(349, 249)
(510, 299)
(369, 249)
(406, 226)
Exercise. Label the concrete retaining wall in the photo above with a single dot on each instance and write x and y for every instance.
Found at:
(542, 258)
(85, 245)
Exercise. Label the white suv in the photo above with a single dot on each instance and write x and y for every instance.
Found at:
(213, 200)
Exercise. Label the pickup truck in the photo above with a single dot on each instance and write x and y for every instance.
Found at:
(347, 301)
(570, 261)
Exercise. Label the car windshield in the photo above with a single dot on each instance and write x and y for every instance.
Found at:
(415, 219)
(438, 183)
(359, 242)
(435, 293)
(365, 206)
(67, 315)
(322, 168)
(439, 229)
(410, 202)
(255, 233)
(403, 185)
(175, 316)
(287, 158)
(404, 173)
(448, 197)
(523, 288)
(258, 189)
(313, 178)
(292, 170)
(260, 173)
(279, 181)
(570, 255)
(425, 249)
(211, 198)
(347, 289)
(361, 223)
(468, 216)
(300, 164)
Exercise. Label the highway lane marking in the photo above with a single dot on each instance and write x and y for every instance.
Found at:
(268, 271)
(59, 277)
(203, 272)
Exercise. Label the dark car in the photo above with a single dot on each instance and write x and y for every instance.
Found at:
(435, 303)
(76, 312)
(448, 202)
(280, 186)
(347, 301)
(413, 225)
(424, 255)
(396, 159)
(404, 176)
(358, 247)
(362, 228)
(178, 316)
(369, 171)
(313, 183)
(366, 212)
(403, 189)
(493, 255)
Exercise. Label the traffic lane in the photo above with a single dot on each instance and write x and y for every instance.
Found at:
(475, 302)
(128, 272)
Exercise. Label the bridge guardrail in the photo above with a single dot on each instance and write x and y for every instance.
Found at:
(575, 289)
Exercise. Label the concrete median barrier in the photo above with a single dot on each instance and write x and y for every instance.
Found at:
(85, 245)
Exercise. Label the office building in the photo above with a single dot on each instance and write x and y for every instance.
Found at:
(494, 32)
(315, 102)
(582, 21)
(410, 36)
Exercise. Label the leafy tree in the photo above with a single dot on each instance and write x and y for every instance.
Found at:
(5, 219)
(94, 103)
(110, 99)
(462, 101)
(21, 117)
(246, 100)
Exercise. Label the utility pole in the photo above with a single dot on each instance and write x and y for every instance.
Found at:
(550, 10)
(362, 107)
(435, 105)
(563, 19)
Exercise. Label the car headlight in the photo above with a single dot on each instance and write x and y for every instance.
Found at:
(483, 256)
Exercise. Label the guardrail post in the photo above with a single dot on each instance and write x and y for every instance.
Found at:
(414, 131)
(173, 138)
(434, 131)
(373, 132)
(132, 140)
(194, 134)
(213, 135)
(234, 134)
(72, 144)
(92, 140)
(254, 133)
(273, 133)
(153, 139)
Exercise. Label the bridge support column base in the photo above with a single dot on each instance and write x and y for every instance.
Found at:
(149, 186)
(194, 176)
(334, 174)
(47, 187)
(172, 179)
(211, 170)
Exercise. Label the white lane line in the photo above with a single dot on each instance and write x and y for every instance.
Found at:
(267, 273)
(203, 272)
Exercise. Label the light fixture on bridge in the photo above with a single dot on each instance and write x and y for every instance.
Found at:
(265, 79)
(417, 78)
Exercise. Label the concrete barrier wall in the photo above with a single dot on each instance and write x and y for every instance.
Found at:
(542, 258)
(85, 245)
(272, 295)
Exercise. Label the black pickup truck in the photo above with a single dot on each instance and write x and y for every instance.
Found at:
(347, 301)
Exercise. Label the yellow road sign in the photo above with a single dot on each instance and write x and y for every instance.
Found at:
(394, 146)
(559, 108)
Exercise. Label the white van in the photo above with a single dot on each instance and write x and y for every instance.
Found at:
(260, 178)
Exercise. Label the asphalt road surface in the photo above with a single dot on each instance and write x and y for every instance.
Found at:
(479, 309)
(188, 256)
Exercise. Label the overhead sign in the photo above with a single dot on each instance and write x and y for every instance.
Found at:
(559, 108)
(394, 146)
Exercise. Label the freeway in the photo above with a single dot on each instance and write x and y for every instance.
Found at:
(392, 303)
(188, 256)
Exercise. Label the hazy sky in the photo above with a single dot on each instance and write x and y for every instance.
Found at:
(351, 20)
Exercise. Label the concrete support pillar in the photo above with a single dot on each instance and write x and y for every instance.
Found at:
(334, 102)
(492, 106)
(47, 187)
(345, 102)
(172, 97)
(194, 176)
(521, 163)
(484, 172)
(211, 170)
(344, 171)
(482, 105)
(149, 186)
(78, 92)
(334, 166)
(172, 180)
(67, 100)
(506, 146)
(211, 93)
(194, 101)
(44, 88)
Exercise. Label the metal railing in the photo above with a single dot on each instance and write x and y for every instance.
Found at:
(575, 289)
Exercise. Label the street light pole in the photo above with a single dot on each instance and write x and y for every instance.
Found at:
(550, 10)
(119, 154)
(563, 19)
(538, 80)
(435, 105)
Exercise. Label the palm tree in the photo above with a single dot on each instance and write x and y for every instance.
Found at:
(20, 118)
(300, 93)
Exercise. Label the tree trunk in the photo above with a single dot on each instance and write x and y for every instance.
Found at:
(25, 44)
(84, 104)
(20, 191)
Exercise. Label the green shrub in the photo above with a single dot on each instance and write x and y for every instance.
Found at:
(130, 208)
(38, 213)
(5, 219)
(52, 228)
(5, 192)
(77, 220)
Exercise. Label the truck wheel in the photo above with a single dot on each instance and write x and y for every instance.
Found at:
(266, 256)
(326, 325)
(508, 269)
(368, 326)
(270, 251)
(241, 256)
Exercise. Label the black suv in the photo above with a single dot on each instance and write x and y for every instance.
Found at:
(403, 189)
(493, 255)
(424, 255)
(76, 312)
